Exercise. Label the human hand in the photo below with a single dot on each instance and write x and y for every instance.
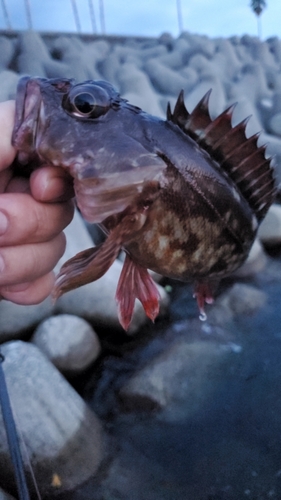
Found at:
(33, 213)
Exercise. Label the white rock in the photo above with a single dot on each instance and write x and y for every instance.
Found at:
(68, 341)
(63, 436)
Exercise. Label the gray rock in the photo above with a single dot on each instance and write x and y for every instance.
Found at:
(243, 299)
(69, 342)
(198, 44)
(17, 320)
(5, 496)
(9, 81)
(251, 84)
(261, 51)
(63, 436)
(270, 228)
(166, 80)
(32, 54)
(276, 102)
(190, 76)
(176, 58)
(275, 124)
(79, 59)
(230, 60)
(273, 149)
(109, 68)
(245, 109)
(255, 262)
(135, 86)
(7, 51)
(217, 99)
(275, 48)
(179, 380)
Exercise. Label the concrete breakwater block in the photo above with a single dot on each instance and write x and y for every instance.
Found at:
(62, 437)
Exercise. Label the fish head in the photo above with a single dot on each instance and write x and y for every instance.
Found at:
(86, 129)
(54, 116)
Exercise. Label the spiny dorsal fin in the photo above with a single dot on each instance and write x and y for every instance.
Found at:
(240, 157)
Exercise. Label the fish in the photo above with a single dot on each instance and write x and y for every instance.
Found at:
(181, 196)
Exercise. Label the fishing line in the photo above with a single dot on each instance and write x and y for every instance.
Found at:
(12, 436)
(26, 454)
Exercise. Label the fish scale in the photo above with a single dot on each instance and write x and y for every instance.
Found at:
(182, 196)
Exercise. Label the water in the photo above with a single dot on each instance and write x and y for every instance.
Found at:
(229, 449)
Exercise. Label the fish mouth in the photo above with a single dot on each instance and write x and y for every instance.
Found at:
(28, 116)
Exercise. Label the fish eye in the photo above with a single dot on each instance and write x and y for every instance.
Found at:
(86, 101)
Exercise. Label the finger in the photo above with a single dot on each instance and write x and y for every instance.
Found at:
(25, 263)
(29, 220)
(5, 177)
(51, 184)
(7, 117)
(18, 185)
(31, 292)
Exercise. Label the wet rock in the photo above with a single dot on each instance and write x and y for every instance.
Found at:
(270, 228)
(255, 262)
(243, 299)
(63, 436)
(17, 320)
(68, 341)
(179, 380)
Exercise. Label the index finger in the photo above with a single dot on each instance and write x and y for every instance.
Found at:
(7, 116)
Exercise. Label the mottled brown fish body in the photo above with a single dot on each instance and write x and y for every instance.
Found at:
(182, 196)
(186, 249)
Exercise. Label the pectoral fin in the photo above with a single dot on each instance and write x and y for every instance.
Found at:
(86, 266)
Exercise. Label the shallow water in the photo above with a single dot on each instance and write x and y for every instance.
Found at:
(230, 449)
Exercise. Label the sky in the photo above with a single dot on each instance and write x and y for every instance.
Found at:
(214, 18)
